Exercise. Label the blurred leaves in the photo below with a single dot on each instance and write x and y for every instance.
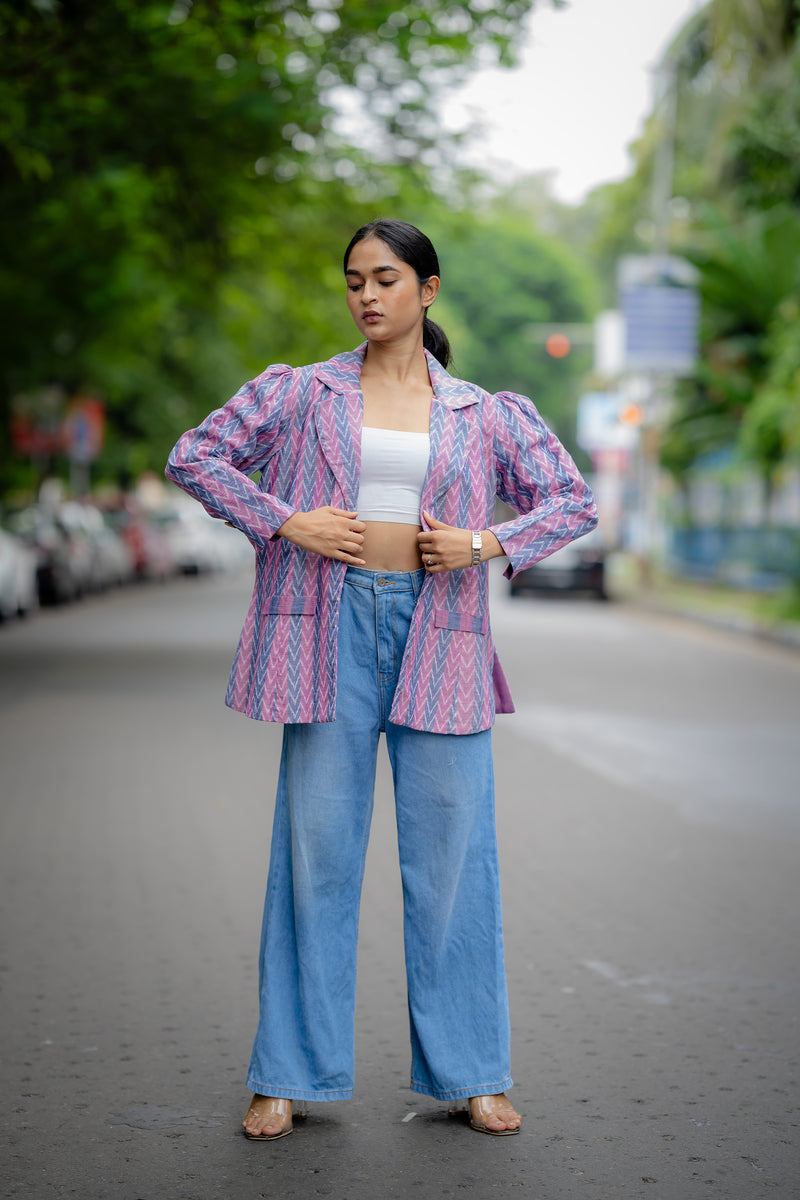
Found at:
(175, 190)
(501, 277)
(736, 67)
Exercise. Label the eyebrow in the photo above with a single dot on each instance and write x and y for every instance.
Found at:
(376, 271)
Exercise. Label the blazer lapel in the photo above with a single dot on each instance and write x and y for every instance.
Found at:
(338, 416)
(450, 429)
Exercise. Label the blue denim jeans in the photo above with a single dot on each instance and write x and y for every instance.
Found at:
(444, 800)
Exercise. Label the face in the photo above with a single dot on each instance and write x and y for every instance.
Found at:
(384, 295)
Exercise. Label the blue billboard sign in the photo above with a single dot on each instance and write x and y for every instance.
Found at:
(661, 311)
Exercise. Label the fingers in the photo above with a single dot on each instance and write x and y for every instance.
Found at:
(351, 518)
(354, 529)
(331, 532)
(351, 538)
(445, 549)
(434, 522)
(434, 563)
(349, 552)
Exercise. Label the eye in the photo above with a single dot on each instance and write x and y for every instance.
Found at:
(388, 282)
(353, 287)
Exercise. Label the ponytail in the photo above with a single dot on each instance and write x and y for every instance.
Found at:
(435, 340)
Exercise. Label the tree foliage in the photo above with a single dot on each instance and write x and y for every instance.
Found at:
(500, 280)
(173, 183)
(735, 66)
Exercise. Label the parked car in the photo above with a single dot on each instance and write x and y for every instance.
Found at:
(146, 540)
(108, 559)
(19, 591)
(576, 567)
(60, 558)
(199, 542)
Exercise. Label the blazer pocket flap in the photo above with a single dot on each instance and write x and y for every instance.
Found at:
(290, 606)
(445, 618)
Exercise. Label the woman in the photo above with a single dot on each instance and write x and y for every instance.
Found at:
(372, 524)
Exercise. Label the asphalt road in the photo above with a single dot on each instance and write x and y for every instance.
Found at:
(649, 818)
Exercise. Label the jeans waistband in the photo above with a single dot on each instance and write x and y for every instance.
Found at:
(385, 581)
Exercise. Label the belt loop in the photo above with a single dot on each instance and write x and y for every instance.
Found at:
(416, 582)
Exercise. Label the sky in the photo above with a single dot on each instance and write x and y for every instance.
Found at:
(579, 96)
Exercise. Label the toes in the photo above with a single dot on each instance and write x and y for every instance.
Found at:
(502, 1121)
(262, 1128)
(494, 1113)
(267, 1116)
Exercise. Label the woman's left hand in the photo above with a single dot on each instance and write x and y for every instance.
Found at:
(448, 548)
(444, 547)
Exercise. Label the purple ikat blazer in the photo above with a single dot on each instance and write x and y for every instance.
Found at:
(301, 428)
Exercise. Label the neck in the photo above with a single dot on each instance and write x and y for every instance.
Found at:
(399, 361)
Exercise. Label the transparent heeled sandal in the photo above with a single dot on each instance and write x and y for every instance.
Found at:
(479, 1109)
(276, 1111)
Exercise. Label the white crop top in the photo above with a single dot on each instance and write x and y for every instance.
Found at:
(393, 469)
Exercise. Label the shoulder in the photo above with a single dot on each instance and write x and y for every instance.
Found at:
(341, 372)
(281, 383)
(455, 392)
(512, 408)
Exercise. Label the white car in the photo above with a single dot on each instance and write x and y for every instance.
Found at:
(19, 591)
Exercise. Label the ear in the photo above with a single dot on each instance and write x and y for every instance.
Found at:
(430, 290)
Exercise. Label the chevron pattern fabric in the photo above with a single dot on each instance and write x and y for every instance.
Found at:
(301, 428)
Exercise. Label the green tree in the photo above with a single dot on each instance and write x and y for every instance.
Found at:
(748, 275)
(770, 432)
(157, 159)
(735, 67)
(500, 279)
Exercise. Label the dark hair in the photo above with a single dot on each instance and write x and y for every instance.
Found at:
(413, 247)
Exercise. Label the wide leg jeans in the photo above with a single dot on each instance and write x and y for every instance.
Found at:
(444, 800)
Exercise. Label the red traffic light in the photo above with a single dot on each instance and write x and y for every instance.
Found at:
(558, 345)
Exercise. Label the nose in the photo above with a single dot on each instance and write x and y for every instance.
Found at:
(370, 293)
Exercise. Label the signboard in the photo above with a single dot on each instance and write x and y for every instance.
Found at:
(661, 311)
(84, 428)
(36, 422)
(602, 423)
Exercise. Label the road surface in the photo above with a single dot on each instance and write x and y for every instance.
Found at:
(649, 819)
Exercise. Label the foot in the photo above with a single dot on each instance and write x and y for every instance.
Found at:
(493, 1114)
(268, 1117)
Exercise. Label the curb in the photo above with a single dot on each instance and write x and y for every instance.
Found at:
(780, 633)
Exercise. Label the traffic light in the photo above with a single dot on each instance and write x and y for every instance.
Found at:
(558, 345)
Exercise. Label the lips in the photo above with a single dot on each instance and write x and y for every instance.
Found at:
(371, 316)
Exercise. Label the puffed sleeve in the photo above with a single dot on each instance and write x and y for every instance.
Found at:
(213, 461)
(538, 479)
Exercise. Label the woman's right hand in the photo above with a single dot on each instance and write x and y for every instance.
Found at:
(332, 532)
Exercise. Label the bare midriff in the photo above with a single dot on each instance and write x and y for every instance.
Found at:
(391, 546)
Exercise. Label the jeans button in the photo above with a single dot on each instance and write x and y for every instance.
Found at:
(382, 582)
